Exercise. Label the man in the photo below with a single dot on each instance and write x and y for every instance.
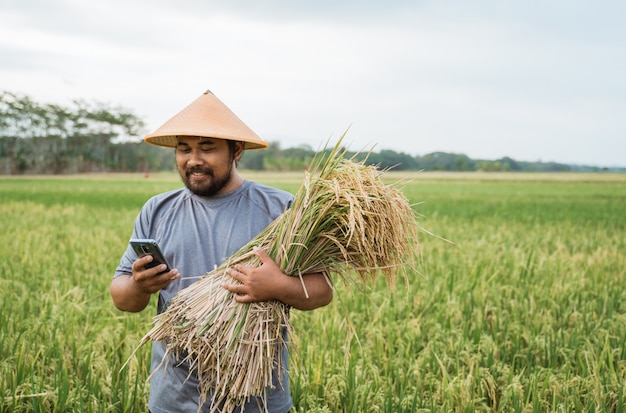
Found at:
(200, 226)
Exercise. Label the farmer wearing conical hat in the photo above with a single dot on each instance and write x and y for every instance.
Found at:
(197, 228)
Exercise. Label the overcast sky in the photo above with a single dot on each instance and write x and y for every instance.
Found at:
(533, 80)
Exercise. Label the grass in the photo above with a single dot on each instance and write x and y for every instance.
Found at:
(526, 312)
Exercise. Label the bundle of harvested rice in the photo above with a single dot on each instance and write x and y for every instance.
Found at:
(344, 221)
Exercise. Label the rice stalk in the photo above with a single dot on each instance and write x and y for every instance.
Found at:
(344, 222)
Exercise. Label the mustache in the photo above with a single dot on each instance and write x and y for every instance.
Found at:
(208, 171)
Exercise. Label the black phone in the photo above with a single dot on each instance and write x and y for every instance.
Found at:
(143, 247)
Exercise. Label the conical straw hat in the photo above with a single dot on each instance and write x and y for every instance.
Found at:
(206, 116)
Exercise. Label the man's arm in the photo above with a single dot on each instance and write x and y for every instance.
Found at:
(131, 292)
(268, 282)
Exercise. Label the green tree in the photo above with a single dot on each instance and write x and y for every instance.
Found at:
(389, 159)
(49, 138)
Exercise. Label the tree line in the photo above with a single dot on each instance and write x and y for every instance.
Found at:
(44, 138)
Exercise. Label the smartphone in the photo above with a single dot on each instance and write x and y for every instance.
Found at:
(143, 247)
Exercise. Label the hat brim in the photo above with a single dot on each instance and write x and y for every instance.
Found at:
(171, 141)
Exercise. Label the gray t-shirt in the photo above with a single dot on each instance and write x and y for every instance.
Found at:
(196, 234)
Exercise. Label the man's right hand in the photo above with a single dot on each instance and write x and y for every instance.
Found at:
(151, 280)
(131, 292)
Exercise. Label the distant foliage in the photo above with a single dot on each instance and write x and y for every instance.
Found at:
(84, 137)
(43, 138)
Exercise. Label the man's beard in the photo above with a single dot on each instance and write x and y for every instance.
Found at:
(213, 184)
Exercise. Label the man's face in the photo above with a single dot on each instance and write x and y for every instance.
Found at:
(206, 164)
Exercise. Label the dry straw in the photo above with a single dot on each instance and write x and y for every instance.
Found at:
(344, 222)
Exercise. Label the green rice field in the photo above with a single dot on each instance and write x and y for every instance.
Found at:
(518, 303)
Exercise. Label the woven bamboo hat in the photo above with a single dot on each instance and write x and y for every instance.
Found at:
(206, 116)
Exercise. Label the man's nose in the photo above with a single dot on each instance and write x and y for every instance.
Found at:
(195, 159)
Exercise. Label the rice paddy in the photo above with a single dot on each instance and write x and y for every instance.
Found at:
(525, 312)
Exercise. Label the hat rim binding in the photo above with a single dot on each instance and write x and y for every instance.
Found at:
(221, 123)
(171, 141)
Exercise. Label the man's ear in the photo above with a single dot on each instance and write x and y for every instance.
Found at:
(238, 150)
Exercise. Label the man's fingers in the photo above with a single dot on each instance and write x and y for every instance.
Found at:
(238, 289)
(243, 299)
(141, 262)
(236, 273)
(262, 255)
